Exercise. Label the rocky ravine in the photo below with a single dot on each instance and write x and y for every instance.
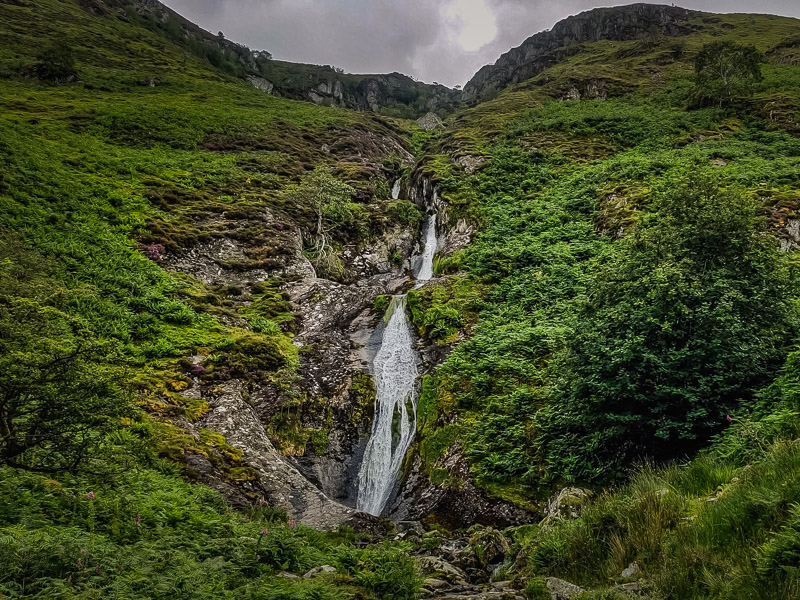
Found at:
(306, 443)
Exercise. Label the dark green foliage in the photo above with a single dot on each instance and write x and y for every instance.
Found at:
(143, 534)
(689, 318)
(58, 394)
(726, 70)
(387, 572)
(56, 64)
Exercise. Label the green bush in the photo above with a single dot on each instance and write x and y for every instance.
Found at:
(690, 317)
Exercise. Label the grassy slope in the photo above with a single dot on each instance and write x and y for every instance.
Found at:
(91, 172)
(560, 182)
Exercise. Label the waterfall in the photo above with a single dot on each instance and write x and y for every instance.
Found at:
(425, 271)
(396, 190)
(395, 371)
(395, 368)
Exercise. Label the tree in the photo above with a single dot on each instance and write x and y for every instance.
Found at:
(688, 320)
(56, 64)
(335, 214)
(724, 70)
(58, 395)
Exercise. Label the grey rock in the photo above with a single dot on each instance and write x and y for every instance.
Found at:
(435, 584)
(430, 122)
(503, 585)
(321, 570)
(562, 590)
(440, 569)
(410, 526)
(284, 487)
(567, 503)
(262, 84)
(631, 570)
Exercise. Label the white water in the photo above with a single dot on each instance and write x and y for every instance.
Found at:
(396, 190)
(425, 271)
(395, 368)
(395, 371)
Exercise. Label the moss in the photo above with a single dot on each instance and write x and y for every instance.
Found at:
(381, 303)
(362, 393)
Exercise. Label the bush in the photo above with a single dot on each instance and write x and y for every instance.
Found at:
(56, 64)
(690, 316)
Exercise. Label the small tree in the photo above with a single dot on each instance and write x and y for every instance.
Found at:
(724, 70)
(58, 395)
(56, 64)
(334, 214)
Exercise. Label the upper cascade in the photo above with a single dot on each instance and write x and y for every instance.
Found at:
(545, 49)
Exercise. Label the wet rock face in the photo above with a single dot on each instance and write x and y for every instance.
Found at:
(280, 484)
(545, 49)
(455, 508)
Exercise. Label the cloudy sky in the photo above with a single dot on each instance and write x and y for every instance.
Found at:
(432, 40)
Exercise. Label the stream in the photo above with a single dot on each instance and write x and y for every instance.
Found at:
(395, 371)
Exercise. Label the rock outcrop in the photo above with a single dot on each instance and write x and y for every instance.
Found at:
(545, 49)
(326, 86)
(430, 122)
(284, 487)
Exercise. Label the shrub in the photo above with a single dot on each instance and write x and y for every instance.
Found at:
(56, 64)
(689, 318)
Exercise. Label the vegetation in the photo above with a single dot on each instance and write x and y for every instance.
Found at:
(625, 316)
(689, 317)
(725, 70)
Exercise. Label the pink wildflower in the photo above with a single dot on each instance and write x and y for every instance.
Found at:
(293, 524)
(730, 418)
(90, 495)
(198, 368)
(265, 532)
(138, 519)
(261, 502)
(154, 252)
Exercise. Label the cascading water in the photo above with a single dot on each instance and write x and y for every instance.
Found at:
(396, 190)
(425, 271)
(395, 371)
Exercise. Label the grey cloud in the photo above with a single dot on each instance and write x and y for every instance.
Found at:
(410, 36)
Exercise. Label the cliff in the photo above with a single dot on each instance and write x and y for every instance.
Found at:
(393, 94)
(547, 48)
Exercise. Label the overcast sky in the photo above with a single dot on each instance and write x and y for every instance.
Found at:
(433, 40)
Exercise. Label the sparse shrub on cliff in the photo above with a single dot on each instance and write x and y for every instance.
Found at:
(726, 70)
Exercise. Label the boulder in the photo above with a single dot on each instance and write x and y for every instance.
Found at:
(433, 583)
(562, 590)
(429, 122)
(441, 569)
(567, 503)
(321, 570)
(631, 570)
(490, 546)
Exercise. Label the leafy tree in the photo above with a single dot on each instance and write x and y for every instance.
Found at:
(56, 64)
(724, 70)
(690, 317)
(57, 394)
(335, 215)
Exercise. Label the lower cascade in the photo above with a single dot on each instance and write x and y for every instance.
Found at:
(395, 371)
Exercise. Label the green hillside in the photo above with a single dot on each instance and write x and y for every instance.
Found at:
(604, 227)
(624, 319)
(100, 177)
